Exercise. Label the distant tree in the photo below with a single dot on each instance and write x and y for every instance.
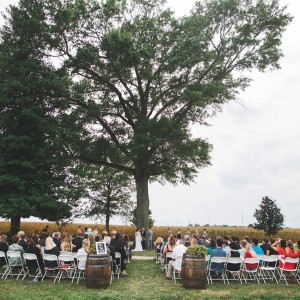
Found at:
(108, 193)
(269, 217)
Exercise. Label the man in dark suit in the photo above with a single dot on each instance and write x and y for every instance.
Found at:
(143, 234)
(76, 240)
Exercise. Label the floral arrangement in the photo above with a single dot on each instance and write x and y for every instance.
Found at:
(92, 249)
(197, 250)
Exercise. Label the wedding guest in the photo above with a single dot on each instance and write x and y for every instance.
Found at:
(265, 246)
(34, 249)
(119, 245)
(218, 268)
(57, 239)
(256, 248)
(78, 239)
(233, 253)
(250, 253)
(187, 242)
(3, 247)
(169, 247)
(212, 246)
(242, 250)
(22, 240)
(66, 244)
(50, 247)
(178, 250)
(17, 248)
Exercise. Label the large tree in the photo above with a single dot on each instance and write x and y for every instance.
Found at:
(142, 77)
(269, 217)
(32, 157)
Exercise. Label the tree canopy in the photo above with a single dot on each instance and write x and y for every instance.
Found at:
(269, 217)
(139, 77)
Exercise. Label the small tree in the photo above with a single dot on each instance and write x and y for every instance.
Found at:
(269, 218)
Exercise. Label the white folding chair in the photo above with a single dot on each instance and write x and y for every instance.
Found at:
(250, 274)
(177, 269)
(117, 264)
(66, 267)
(268, 269)
(158, 255)
(81, 262)
(284, 272)
(214, 262)
(207, 259)
(32, 264)
(4, 264)
(237, 263)
(50, 265)
(169, 256)
(15, 263)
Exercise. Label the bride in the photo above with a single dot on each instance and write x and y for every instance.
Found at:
(138, 241)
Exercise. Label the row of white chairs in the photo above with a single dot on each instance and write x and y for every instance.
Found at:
(263, 267)
(66, 265)
(267, 269)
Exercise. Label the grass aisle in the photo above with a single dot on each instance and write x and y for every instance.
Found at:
(145, 281)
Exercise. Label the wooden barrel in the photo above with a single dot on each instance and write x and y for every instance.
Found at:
(194, 272)
(97, 271)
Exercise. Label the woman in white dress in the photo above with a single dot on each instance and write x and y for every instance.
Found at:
(138, 241)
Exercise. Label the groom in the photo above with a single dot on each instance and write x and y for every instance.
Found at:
(143, 234)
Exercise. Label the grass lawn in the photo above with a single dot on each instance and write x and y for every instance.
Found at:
(145, 281)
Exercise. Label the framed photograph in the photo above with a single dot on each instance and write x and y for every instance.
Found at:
(101, 248)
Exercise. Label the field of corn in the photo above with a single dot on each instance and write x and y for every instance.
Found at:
(30, 227)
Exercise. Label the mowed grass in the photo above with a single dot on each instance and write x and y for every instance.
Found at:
(145, 281)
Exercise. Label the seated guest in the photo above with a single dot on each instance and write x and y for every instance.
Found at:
(250, 253)
(233, 253)
(119, 247)
(187, 242)
(193, 241)
(205, 242)
(290, 244)
(57, 239)
(169, 247)
(66, 244)
(235, 240)
(22, 240)
(112, 250)
(256, 248)
(3, 247)
(212, 246)
(34, 249)
(265, 246)
(178, 250)
(17, 248)
(226, 247)
(76, 239)
(218, 268)
(51, 248)
(242, 250)
(42, 238)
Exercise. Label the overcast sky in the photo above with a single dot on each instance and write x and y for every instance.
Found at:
(256, 148)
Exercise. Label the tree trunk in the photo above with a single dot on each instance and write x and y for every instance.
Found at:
(107, 217)
(15, 225)
(142, 209)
